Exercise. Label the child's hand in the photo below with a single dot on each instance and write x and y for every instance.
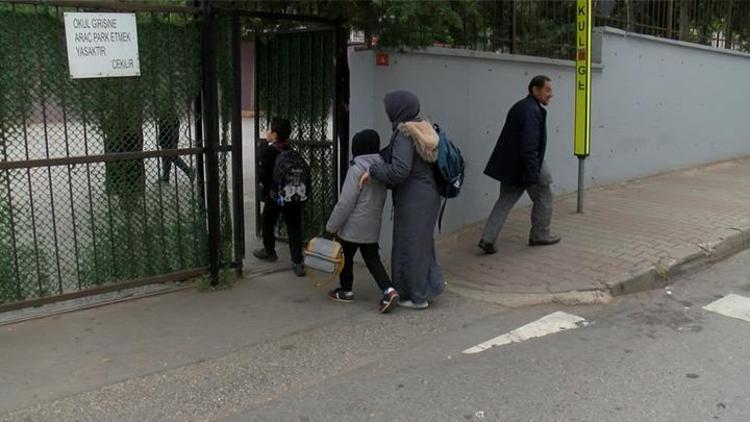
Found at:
(364, 179)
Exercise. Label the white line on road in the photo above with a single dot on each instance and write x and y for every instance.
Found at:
(552, 323)
(733, 306)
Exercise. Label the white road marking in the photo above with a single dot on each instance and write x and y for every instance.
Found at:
(552, 323)
(733, 306)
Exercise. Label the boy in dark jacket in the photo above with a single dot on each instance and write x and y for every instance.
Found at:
(278, 141)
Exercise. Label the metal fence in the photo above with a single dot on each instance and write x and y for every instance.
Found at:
(547, 27)
(295, 80)
(114, 182)
(101, 180)
(718, 23)
(538, 28)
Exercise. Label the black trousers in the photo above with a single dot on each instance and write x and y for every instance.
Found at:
(371, 256)
(292, 214)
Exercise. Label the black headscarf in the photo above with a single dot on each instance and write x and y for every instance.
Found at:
(401, 106)
(365, 142)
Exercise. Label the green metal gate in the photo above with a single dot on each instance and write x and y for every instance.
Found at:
(295, 79)
(86, 201)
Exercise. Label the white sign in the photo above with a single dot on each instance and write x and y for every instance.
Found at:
(102, 45)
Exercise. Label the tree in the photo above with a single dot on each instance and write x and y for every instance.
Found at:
(397, 24)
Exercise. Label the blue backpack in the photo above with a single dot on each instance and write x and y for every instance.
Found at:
(449, 170)
(450, 166)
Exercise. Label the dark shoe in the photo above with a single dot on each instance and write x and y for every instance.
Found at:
(341, 295)
(191, 174)
(551, 240)
(389, 301)
(299, 270)
(411, 305)
(263, 255)
(487, 247)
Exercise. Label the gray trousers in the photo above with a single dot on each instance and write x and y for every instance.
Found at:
(541, 211)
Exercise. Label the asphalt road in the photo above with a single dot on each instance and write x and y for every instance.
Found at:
(294, 356)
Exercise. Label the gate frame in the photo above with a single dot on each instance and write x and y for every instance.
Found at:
(198, 151)
(340, 106)
(207, 137)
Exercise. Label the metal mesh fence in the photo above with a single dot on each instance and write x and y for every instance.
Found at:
(99, 178)
(295, 80)
(225, 72)
(529, 27)
(547, 27)
(718, 23)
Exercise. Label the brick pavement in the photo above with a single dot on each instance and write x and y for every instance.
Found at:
(628, 231)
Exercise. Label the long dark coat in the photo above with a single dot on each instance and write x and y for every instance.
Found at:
(416, 202)
(519, 153)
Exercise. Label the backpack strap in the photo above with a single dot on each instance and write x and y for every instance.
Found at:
(442, 211)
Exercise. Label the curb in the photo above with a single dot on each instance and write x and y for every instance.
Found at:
(117, 296)
(89, 302)
(519, 300)
(657, 275)
(689, 258)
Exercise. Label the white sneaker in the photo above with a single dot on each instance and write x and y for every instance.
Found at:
(411, 305)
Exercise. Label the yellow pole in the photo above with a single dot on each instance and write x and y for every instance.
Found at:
(582, 135)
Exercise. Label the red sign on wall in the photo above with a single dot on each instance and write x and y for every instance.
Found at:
(381, 59)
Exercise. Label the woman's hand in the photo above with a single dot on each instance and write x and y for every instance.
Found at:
(364, 179)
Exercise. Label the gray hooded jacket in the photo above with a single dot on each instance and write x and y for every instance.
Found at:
(357, 215)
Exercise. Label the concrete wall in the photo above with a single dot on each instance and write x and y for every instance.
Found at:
(656, 106)
(663, 105)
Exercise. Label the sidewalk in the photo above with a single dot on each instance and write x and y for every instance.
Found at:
(632, 236)
(205, 356)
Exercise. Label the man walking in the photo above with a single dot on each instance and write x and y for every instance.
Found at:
(518, 164)
(169, 138)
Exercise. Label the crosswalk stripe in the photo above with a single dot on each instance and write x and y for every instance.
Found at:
(552, 323)
(732, 305)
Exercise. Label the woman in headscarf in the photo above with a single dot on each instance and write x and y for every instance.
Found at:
(409, 170)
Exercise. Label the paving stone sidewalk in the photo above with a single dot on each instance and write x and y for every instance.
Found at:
(632, 236)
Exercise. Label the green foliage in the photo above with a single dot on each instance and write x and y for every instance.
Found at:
(117, 106)
(225, 73)
(157, 237)
(30, 278)
(131, 229)
(542, 27)
(417, 24)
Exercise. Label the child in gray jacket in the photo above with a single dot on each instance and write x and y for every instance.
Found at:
(356, 221)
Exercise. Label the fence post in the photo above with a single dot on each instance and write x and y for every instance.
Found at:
(256, 140)
(684, 19)
(728, 26)
(513, 49)
(342, 100)
(670, 18)
(238, 196)
(210, 102)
